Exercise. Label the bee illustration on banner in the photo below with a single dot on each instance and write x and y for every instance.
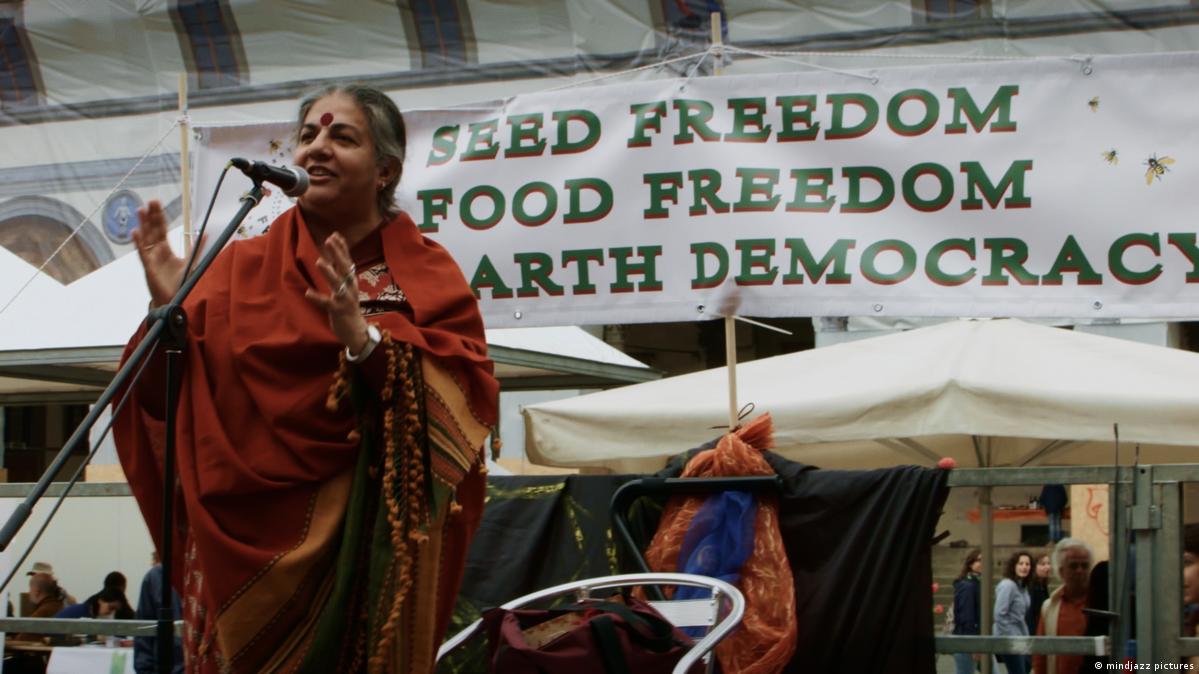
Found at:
(1111, 156)
(1158, 167)
(280, 150)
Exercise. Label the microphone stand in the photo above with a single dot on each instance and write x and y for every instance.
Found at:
(168, 328)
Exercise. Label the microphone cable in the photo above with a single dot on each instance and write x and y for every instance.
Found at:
(199, 240)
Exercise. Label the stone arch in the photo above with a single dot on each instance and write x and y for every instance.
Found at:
(32, 227)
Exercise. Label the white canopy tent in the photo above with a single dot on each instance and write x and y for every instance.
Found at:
(988, 393)
(62, 342)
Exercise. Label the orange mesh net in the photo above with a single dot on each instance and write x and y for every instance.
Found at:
(768, 631)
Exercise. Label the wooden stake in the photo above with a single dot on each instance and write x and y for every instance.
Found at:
(730, 325)
(718, 42)
(730, 360)
(185, 166)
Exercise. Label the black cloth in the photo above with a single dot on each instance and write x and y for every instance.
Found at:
(1097, 625)
(858, 543)
(859, 546)
(537, 532)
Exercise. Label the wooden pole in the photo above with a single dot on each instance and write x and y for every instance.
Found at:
(730, 324)
(730, 359)
(185, 166)
(717, 25)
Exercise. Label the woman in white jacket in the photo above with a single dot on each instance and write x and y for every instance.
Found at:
(1011, 605)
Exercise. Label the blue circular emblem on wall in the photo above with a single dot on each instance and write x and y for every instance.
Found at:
(120, 216)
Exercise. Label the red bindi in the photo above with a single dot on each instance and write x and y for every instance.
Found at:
(326, 119)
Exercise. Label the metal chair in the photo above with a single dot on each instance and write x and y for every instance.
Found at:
(720, 613)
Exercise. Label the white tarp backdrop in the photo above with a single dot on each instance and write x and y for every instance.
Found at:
(1038, 188)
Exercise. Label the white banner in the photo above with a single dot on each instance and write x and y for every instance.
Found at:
(1063, 188)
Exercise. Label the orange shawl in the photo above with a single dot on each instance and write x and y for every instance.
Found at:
(255, 442)
(766, 640)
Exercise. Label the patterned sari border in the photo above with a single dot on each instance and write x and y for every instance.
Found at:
(245, 618)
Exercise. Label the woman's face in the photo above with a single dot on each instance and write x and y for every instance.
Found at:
(1044, 566)
(336, 149)
(106, 609)
(1190, 578)
(1023, 566)
(977, 565)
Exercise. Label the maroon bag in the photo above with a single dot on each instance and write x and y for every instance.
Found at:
(590, 637)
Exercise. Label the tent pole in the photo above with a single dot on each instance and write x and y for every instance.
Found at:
(185, 166)
(988, 581)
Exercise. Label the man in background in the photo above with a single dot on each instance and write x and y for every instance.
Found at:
(47, 599)
(43, 568)
(145, 656)
(1053, 502)
(1061, 614)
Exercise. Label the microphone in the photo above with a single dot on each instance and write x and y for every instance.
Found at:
(292, 179)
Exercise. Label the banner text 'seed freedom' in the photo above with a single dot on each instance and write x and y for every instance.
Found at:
(701, 191)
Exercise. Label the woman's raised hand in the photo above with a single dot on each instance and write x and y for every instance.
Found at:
(345, 316)
(164, 269)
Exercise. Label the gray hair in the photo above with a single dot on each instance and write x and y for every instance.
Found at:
(1059, 553)
(385, 125)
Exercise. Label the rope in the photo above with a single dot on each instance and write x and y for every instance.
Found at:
(652, 66)
(779, 56)
(99, 205)
(1083, 60)
(718, 51)
(784, 56)
(893, 55)
(694, 69)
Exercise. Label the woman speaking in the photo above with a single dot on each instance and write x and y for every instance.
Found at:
(335, 398)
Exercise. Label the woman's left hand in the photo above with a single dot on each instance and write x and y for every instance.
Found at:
(345, 316)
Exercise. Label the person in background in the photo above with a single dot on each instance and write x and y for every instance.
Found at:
(1061, 615)
(1190, 585)
(104, 604)
(47, 569)
(41, 567)
(1011, 606)
(48, 599)
(115, 580)
(145, 657)
(967, 611)
(1038, 591)
(1053, 502)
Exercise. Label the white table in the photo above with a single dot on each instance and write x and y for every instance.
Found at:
(90, 660)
